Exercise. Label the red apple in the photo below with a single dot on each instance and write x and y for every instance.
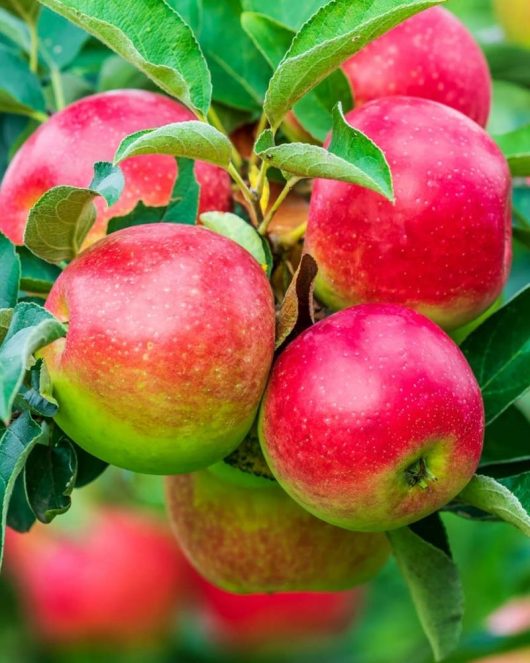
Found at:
(169, 344)
(64, 149)
(372, 418)
(431, 55)
(246, 535)
(117, 578)
(514, 16)
(275, 622)
(444, 247)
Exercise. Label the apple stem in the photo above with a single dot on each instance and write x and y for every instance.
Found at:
(289, 186)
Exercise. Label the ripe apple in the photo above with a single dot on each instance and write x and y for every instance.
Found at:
(275, 622)
(245, 535)
(169, 344)
(64, 149)
(116, 578)
(514, 16)
(431, 55)
(444, 247)
(372, 418)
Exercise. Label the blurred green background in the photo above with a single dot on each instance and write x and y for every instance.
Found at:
(494, 558)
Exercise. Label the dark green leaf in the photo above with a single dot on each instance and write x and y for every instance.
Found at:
(340, 29)
(31, 328)
(59, 40)
(499, 354)
(9, 273)
(495, 497)
(238, 230)
(15, 446)
(38, 395)
(507, 438)
(184, 204)
(20, 90)
(509, 63)
(292, 14)
(51, 472)
(297, 310)
(89, 467)
(118, 74)
(435, 587)
(139, 216)
(239, 73)
(193, 140)
(20, 516)
(515, 146)
(181, 70)
(37, 275)
(314, 110)
(351, 157)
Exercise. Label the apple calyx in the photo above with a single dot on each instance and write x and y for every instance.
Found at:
(418, 474)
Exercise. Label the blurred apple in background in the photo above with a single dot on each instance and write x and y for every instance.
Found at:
(271, 623)
(113, 578)
(514, 16)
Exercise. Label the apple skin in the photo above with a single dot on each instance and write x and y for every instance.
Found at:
(271, 623)
(252, 538)
(119, 579)
(444, 247)
(514, 16)
(372, 418)
(431, 55)
(64, 149)
(170, 341)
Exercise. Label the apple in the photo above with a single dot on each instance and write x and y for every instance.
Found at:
(515, 656)
(514, 16)
(275, 622)
(372, 418)
(116, 578)
(64, 149)
(431, 55)
(511, 618)
(169, 345)
(244, 534)
(444, 247)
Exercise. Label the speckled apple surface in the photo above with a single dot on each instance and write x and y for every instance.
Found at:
(372, 418)
(64, 149)
(431, 55)
(444, 247)
(169, 344)
(257, 539)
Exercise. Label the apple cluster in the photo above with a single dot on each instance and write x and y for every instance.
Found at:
(369, 420)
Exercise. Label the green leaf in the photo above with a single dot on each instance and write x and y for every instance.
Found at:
(117, 74)
(14, 29)
(6, 315)
(314, 110)
(153, 37)
(340, 29)
(297, 310)
(89, 467)
(139, 216)
(351, 157)
(31, 328)
(184, 204)
(20, 516)
(239, 73)
(435, 587)
(507, 439)
(38, 396)
(9, 273)
(60, 220)
(15, 446)
(499, 354)
(193, 140)
(51, 472)
(108, 181)
(37, 275)
(515, 146)
(237, 229)
(292, 14)
(59, 40)
(26, 9)
(494, 497)
(20, 90)
(191, 12)
(508, 62)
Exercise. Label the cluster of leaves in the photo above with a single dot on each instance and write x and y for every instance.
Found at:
(280, 56)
